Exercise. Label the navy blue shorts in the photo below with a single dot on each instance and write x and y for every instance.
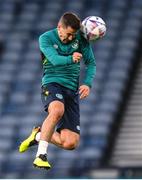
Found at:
(70, 99)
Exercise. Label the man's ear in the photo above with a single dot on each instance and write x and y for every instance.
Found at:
(59, 25)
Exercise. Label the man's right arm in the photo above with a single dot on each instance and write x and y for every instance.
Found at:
(51, 53)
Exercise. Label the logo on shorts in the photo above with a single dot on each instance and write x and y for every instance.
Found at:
(78, 128)
(46, 93)
(59, 96)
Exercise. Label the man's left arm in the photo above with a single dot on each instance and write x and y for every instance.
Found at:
(89, 60)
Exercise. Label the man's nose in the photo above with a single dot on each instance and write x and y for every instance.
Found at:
(70, 37)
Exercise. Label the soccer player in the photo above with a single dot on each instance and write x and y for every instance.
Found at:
(62, 50)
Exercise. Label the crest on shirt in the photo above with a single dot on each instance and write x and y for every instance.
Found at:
(75, 44)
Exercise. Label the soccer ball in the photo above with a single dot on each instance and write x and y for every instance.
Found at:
(93, 28)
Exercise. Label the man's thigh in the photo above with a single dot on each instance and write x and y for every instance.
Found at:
(71, 117)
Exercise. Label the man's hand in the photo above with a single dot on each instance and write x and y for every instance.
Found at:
(76, 57)
(84, 91)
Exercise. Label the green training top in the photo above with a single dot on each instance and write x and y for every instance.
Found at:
(58, 65)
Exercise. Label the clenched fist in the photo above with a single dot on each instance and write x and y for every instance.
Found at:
(76, 57)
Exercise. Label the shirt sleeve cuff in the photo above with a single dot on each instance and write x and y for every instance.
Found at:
(87, 84)
(70, 60)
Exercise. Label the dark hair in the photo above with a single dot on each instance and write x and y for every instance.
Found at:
(71, 19)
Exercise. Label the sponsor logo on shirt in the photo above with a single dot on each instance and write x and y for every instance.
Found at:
(55, 46)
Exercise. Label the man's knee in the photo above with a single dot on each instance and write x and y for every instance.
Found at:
(71, 145)
(58, 113)
(56, 109)
(69, 139)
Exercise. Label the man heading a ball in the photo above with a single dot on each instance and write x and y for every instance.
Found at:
(62, 50)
